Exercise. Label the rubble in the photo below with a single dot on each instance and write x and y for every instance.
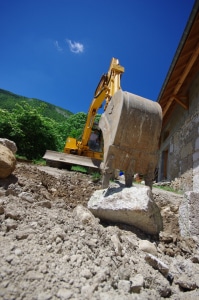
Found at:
(61, 251)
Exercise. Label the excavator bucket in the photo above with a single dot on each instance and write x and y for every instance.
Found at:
(63, 160)
(131, 127)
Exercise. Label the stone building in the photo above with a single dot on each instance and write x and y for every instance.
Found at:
(179, 144)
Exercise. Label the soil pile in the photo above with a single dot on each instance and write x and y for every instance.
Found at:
(52, 247)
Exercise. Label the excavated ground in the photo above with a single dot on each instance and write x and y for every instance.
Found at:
(49, 251)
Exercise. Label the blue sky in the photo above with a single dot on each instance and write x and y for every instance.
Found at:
(57, 50)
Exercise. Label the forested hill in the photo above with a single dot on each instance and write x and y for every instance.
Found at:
(9, 99)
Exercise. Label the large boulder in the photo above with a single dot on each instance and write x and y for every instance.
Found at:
(133, 206)
(9, 144)
(7, 161)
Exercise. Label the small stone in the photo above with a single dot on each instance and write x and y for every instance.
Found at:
(117, 245)
(27, 197)
(137, 283)
(195, 259)
(18, 252)
(64, 294)
(1, 209)
(148, 247)
(9, 258)
(44, 203)
(186, 283)
(157, 264)
(15, 215)
(10, 224)
(124, 285)
(22, 235)
(86, 273)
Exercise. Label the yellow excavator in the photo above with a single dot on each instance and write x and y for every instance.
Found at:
(130, 127)
(81, 152)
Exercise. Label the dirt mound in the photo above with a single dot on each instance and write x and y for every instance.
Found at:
(53, 248)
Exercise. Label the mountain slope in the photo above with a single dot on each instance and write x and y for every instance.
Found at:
(9, 99)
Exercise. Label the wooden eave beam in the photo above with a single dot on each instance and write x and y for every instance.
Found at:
(181, 80)
(185, 105)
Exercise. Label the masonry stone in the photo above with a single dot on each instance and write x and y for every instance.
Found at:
(195, 156)
(186, 150)
(188, 214)
(197, 143)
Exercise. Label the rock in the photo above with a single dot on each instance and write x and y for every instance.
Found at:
(1, 209)
(13, 214)
(7, 162)
(64, 294)
(186, 282)
(22, 235)
(124, 285)
(84, 215)
(27, 197)
(117, 245)
(157, 264)
(195, 259)
(44, 203)
(18, 252)
(9, 144)
(10, 224)
(86, 273)
(137, 283)
(44, 296)
(133, 206)
(148, 247)
(56, 232)
(62, 253)
(166, 237)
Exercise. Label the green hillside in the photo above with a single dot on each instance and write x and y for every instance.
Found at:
(8, 101)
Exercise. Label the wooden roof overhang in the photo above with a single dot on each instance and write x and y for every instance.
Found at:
(183, 69)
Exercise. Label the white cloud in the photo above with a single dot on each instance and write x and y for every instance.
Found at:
(56, 43)
(75, 47)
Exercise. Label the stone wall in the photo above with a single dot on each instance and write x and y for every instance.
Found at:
(180, 144)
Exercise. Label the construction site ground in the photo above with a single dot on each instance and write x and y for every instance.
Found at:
(48, 251)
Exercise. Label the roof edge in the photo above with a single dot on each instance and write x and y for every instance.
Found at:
(180, 46)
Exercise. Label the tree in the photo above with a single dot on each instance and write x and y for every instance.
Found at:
(32, 132)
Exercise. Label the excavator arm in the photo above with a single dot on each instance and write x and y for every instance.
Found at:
(108, 85)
